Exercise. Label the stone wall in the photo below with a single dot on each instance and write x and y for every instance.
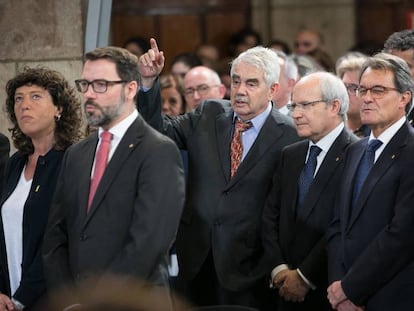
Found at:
(40, 33)
(282, 19)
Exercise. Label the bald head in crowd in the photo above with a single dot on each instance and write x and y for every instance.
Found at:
(202, 83)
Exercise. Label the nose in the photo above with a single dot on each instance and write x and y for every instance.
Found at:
(90, 93)
(196, 95)
(242, 88)
(367, 98)
(25, 104)
(296, 113)
(164, 107)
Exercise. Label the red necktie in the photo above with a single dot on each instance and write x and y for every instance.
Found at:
(100, 164)
(236, 147)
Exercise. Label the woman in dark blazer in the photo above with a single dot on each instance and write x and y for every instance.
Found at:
(45, 116)
(4, 156)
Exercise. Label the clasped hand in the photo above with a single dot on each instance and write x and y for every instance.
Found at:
(291, 286)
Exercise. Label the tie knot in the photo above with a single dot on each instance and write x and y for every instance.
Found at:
(373, 145)
(106, 136)
(243, 126)
(314, 151)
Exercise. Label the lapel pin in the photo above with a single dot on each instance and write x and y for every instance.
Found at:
(337, 159)
(37, 188)
(131, 146)
(393, 156)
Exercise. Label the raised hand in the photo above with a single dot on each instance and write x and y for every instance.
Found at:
(151, 64)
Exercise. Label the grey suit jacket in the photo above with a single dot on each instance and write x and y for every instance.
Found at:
(222, 214)
(133, 218)
(371, 245)
(299, 241)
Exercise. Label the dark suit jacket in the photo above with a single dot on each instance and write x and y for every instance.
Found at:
(4, 156)
(222, 215)
(372, 248)
(35, 214)
(299, 241)
(133, 218)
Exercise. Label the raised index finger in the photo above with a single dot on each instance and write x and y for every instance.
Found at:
(154, 45)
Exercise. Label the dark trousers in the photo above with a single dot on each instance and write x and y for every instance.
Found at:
(206, 290)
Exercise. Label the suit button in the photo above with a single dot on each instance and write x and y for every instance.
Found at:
(226, 192)
(83, 237)
(217, 224)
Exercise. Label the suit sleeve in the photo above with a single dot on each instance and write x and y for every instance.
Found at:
(177, 128)
(157, 210)
(149, 105)
(55, 242)
(270, 221)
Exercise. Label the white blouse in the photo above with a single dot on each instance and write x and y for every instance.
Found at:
(12, 215)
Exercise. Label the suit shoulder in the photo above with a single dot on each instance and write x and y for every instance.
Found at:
(282, 120)
(294, 147)
(213, 106)
(155, 138)
(83, 143)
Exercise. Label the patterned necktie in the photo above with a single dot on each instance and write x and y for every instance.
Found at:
(306, 176)
(101, 161)
(236, 147)
(367, 161)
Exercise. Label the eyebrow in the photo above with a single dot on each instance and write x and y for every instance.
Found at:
(253, 80)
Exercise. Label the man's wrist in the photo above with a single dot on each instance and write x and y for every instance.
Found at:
(307, 282)
(19, 306)
(148, 83)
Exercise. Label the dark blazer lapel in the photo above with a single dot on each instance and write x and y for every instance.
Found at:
(127, 144)
(326, 170)
(86, 158)
(386, 159)
(268, 136)
(224, 124)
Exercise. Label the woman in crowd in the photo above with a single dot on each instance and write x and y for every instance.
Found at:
(45, 115)
(172, 95)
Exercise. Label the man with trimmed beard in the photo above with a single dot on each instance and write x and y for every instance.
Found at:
(120, 219)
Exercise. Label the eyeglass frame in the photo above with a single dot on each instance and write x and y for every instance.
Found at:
(199, 89)
(107, 83)
(386, 89)
(351, 88)
(305, 106)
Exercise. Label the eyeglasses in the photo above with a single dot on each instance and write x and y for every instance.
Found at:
(305, 106)
(99, 86)
(377, 91)
(201, 90)
(351, 88)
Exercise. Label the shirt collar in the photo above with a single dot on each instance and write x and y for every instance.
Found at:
(260, 119)
(119, 129)
(389, 133)
(326, 142)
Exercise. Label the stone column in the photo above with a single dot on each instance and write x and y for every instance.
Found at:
(40, 33)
